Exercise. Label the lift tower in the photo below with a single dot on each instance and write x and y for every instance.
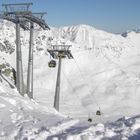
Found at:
(21, 15)
(13, 13)
(59, 52)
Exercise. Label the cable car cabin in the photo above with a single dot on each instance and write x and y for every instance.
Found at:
(52, 64)
(98, 112)
(62, 55)
(89, 120)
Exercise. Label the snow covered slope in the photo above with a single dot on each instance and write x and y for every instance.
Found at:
(103, 74)
(24, 119)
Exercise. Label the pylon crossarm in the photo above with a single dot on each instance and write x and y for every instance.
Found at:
(62, 51)
(37, 20)
(13, 12)
(16, 4)
(17, 13)
(17, 7)
(22, 10)
(23, 24)
(39, 14)
(60, 47)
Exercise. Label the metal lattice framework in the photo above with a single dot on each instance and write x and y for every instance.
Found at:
(24, 23)
(55, 50)
(37, 18)
(17, 8)
(13, 12)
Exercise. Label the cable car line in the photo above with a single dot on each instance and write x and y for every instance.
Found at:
(70, 85)
(98, 111)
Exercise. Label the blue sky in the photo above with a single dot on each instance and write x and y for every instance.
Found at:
(110, 15)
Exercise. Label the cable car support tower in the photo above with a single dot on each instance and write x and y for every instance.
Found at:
(13, 13)
(59, 52)
(21, 15)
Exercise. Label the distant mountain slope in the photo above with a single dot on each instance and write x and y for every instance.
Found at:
(105, 72)
(105, 75)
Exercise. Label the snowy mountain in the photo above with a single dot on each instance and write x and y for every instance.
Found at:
(104, 74)
(124, 34)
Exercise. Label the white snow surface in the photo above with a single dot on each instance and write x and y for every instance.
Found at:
(104, 74)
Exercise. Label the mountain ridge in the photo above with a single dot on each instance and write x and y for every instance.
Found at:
(104, 75)
(101, 56)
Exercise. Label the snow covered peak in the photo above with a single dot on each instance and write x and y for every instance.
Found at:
(78, 27)
(80, 36)
(106, 61)
(104, 74)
